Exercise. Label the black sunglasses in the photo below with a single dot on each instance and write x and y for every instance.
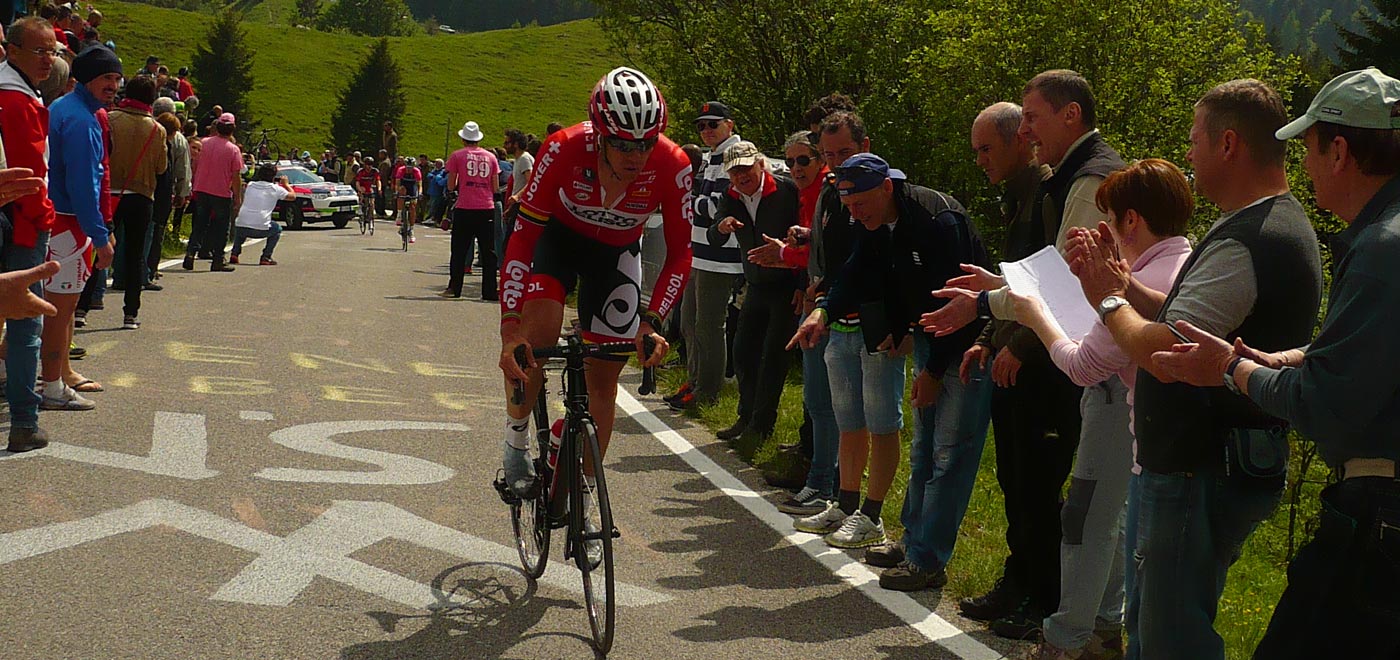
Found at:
(800, 161)
(703, 124)
(629, 146)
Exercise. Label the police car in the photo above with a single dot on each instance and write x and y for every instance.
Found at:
(317, 199)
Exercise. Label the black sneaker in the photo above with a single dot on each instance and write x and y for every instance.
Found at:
(152, 286)
(1002, 600)
(130, 323)
(684, 390)
(885, 555)
(188, 263)
(76, 352)
(22, 440)
(908, 577)
(1024, 624)
(807, 502)
(733, 432)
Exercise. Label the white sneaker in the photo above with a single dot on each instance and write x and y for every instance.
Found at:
(520, 472)
(825, 522)
(68, 399)
(857, 531)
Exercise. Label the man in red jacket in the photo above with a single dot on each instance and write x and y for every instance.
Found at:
(24, 125)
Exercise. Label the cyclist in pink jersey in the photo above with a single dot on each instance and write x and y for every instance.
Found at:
(581, 218)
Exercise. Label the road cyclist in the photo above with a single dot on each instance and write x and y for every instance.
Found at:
(367, 186)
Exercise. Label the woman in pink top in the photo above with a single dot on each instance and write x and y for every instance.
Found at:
(1148, 206)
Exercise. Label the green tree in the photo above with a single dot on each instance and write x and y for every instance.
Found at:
(374, 18)
(1377, 43)
(222, 66)
(308, 11)
(374, 95)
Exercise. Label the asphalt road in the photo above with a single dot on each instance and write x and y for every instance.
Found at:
(294, 462)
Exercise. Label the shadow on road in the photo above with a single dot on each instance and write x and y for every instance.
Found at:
(484, 609)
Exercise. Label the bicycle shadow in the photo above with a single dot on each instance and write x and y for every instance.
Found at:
(484, 609)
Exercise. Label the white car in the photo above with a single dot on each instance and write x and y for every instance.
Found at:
(446, 29)
(317, 199)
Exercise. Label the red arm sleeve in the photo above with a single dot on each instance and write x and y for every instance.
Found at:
(536, 207)
(676, 212)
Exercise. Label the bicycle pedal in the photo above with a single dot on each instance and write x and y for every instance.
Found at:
(616, 533)
(504, 490)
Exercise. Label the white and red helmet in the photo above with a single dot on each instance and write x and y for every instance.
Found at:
(627, 105)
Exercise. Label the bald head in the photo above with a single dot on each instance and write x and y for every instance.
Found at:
(999, 148)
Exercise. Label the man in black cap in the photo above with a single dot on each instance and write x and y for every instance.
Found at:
(715, 269)
(152, 66)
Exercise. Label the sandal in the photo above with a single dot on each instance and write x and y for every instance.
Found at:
(87, 385)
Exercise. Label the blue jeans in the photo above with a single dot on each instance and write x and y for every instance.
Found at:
(826, 439)
(22, 338)
(943, 460)
(1190, 530)
(1131, 601)
(273, 234)
(866, 390)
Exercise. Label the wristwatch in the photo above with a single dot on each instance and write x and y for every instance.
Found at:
(1110, 305)
(984, 305)
(1230, 376)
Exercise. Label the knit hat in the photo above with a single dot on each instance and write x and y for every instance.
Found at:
(95, 62)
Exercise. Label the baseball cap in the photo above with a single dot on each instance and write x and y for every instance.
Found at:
(865, 172)
(741, 154)
(227, 118)
(152, 60)
(714, 110)
(1359, 99)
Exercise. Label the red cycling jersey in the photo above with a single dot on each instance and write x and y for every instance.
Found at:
(366, 179)
(564, 189)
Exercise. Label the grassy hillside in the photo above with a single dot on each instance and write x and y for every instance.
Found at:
(524, 78)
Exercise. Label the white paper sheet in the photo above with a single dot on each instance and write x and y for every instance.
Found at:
(1046, 276)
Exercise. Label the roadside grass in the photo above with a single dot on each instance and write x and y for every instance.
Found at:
(523, 78)
(1255, 582)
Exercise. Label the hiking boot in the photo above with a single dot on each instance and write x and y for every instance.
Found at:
(233, 258)
(995, 604)
(733, 432)
(266, 261)
(188, 263)
(23, 440)
(793, 477)
(1024, 623)
(807, 502)
(857, 531)
(889, 555)
(684, 390)
(908, 577)
(129, 322)
(68, 399)
(826, 522)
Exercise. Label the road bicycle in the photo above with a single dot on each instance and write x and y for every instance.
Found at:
(367, 213)
(560, 497)
(266, 148)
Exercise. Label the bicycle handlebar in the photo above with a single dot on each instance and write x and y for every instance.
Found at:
(581, 350)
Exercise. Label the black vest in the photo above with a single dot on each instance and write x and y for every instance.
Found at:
(1093, 157)
(1181, 428)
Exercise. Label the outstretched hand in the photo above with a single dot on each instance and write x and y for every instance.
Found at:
(960, 310)
(1202, 362)
(977, 279)
(17, 301)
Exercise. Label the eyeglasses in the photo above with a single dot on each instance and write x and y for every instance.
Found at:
(800, 161)
(629, 146)
(703, 124)
(42, 52)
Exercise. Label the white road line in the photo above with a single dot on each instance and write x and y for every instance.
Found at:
(854, 573)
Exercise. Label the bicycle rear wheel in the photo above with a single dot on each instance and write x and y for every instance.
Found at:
(592, 510)
(530, 517)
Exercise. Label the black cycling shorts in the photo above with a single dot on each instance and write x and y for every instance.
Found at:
(410, 190)
(609, 281)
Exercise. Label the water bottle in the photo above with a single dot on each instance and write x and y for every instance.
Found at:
(558, 501)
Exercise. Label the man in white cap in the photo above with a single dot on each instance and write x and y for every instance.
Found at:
(474, 173)
(1342, 391)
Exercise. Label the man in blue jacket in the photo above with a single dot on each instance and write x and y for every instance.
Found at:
(436, 187)
(75, 182)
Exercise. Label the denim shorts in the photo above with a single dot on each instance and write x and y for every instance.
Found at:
(866, 390)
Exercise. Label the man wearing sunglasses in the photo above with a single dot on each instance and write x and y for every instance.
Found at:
(580, 223)
(717, 268)
(912, 237)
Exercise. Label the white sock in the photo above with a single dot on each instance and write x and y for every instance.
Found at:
(53, 389)
(518, 432)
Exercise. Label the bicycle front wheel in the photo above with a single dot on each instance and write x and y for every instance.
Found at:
(594, 527)
(530, 518)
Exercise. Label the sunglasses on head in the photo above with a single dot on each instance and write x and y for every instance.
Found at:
(703, 124)
(629, 146)
(800, 161)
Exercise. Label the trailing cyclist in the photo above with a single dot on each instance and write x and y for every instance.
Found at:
(368, 186)
(410, 182)
(581, 218)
